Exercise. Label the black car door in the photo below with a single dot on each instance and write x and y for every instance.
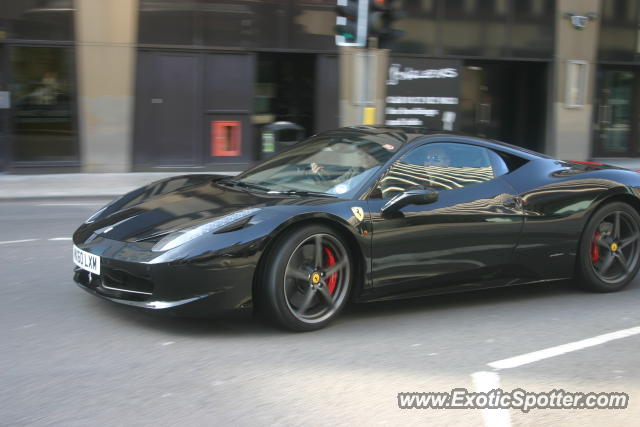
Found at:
(467, 235)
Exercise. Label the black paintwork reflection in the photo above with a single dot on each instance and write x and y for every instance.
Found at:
(469, 229)
(558, 198)
(161, 208)
(521, 227)
(402, 176)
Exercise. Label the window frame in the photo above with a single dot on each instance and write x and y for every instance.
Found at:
(375, 187)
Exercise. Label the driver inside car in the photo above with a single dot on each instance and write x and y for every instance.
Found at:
(340, 164)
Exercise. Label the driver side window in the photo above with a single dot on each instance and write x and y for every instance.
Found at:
(439, 167)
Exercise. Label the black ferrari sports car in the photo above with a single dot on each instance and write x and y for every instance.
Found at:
(361, 214)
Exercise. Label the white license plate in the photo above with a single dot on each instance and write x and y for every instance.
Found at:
(86, 261)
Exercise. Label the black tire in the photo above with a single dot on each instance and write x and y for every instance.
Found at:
(609, 251)
(296, 292)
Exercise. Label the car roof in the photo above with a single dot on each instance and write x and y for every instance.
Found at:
(410, 134)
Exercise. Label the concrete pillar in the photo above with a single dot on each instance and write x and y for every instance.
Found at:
(106, 33)
(362, 84)
(570, 135)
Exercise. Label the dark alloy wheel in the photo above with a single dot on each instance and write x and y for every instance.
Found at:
(307, 278)
(610, 248)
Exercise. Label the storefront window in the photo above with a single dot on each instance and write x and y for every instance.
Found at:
(619, 30)
(282, 24)
(533, 27)
(420, 27)
(168, 22)
(482, 28)
(313, 25)
(42, 104)
(614, 115)
(38, 19)
(475, 27)
(239, 23)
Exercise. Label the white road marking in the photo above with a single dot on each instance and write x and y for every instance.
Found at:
(168, 343)
(30, 325)
(71, 204)
(8, 242)
(523, 359)
(53, 239)
(485, 382)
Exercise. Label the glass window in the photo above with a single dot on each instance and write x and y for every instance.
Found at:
(167, 22)
(42, 104)
(533, 28)
(440, 167)
(614, 115)
(619, 30)
(236, 23)
(475, 27)
(334, 163)
(313, 24)
(39, 19)
(420, 27)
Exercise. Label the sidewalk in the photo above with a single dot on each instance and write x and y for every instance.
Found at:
(80, 185)
(109, 185)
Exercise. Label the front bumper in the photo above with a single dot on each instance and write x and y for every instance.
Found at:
(202, 286)
(94, 285)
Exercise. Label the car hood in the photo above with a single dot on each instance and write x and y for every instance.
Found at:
(151, 217)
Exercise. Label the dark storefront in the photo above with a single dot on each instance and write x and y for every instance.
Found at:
(206, 89)
(500, 51)
(617, 113)
(212, 74)
(37, 84)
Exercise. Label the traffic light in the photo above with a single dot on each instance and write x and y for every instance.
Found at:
(381, 17)
(359, 19)
(351, 22)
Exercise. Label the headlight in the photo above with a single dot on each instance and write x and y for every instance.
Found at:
(175, 239)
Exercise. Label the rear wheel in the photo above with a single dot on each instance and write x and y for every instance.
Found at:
(610, 248)
(307, 278)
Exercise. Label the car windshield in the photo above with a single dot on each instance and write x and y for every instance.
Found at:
(335, 164)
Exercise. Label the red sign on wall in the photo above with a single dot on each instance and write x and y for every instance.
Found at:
(226, 138)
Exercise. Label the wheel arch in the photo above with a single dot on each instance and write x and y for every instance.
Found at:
(619, 194)
(297, 222)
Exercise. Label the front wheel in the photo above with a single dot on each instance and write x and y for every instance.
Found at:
(307, 278)
(610, 248)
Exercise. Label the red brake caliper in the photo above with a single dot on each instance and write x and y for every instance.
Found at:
(333, 279)
(595, 252)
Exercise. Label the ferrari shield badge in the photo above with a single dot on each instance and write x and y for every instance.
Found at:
(358, 212)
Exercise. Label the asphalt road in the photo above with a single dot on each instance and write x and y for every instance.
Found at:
(68, 358)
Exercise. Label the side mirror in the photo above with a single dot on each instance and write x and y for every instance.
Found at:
(410, 197)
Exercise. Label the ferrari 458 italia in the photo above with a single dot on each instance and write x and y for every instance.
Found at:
(361, 214)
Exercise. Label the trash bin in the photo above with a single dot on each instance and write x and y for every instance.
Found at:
(278, 136)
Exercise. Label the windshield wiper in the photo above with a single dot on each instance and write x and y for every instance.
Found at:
(302, 193)
(243, 184)
(235, 183)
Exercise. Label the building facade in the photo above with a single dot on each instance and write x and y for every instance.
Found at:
(133, 85)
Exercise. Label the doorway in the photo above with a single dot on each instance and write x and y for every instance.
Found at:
(505, 101)
(616, 109)
(285, 89)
